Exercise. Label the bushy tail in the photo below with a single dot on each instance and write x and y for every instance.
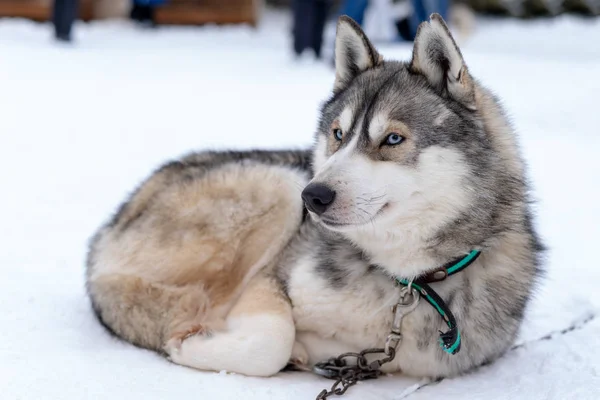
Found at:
(144, 313)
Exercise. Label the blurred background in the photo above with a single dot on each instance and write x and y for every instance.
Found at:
(309, 15)
(95, 94)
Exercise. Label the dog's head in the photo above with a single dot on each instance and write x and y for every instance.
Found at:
(397, 140)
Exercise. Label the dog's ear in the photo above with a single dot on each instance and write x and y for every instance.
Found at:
(437, 57)
(354, 53)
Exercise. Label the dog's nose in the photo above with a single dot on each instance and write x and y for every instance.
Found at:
(317, 197)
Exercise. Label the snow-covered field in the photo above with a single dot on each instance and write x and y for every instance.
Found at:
(80, 126)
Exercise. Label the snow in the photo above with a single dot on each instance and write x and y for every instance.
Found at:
(81, 126)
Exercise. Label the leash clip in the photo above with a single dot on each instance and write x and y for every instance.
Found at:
(408, 301)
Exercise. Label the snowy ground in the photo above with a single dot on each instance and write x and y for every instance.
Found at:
(81, 126)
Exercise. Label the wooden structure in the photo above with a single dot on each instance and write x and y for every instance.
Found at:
(40, 10)
(179, 12)
(195, 12)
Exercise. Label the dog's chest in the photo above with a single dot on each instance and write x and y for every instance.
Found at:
(341, 311)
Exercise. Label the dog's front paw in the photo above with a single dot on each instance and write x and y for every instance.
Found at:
(173, 344)
(299, 359)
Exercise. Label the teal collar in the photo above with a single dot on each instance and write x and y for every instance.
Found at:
(450, 341)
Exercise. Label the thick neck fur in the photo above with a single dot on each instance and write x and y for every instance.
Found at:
(403, 248)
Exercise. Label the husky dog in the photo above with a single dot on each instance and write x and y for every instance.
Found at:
(213, 262)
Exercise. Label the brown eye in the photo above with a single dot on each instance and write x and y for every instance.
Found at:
(338, 134)
(392, 139)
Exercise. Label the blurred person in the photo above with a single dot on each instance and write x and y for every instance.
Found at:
(355, 9)
(64, 13)
(407, 23)
(309, 23)
(143, 10)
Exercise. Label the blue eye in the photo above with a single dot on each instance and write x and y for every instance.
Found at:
(393, 139)
(338, 134)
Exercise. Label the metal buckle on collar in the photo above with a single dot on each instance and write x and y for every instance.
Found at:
(408, 301)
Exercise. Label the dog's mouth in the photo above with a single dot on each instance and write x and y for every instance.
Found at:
(333, 224)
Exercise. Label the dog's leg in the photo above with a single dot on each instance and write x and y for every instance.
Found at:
(258, 340)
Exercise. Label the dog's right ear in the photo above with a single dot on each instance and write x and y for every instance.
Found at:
(354, 53)
(437, 57)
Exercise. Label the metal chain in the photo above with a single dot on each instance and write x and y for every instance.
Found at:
(347, 373)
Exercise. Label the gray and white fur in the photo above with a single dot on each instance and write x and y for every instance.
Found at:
(414, 165)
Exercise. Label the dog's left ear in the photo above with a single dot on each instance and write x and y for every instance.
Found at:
(354, 53)
(437, 57)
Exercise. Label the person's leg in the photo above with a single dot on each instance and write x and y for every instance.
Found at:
(143, 10)
(355, 9)
(405, 29)
(321, 8)
(137, 11)
(302, 24)
(64, 14)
